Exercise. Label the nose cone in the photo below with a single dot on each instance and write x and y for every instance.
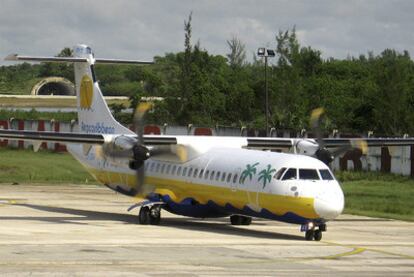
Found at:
(330, 204)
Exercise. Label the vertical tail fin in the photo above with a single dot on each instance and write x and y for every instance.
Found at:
(93, 113)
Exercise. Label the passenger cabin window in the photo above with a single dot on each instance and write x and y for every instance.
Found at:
(190, 172)
(308, 174)
(218, 175)
(290, 174)
(212, 175)
(152, 167)
(195, 173)
(325, 174)
(207, 172)
(168, 169)
(162, 168)
(279, 173)
(235, 178)
(174, 168)
(158, 167)
(223, 177)
(229, 178)
(184, 171)
(201, 174)
(179, 170)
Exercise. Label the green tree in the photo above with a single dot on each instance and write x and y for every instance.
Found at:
(237, 55)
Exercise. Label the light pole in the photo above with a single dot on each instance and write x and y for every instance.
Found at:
(264, 52)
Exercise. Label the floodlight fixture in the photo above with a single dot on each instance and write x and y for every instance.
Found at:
(270, 53)
(261, 52)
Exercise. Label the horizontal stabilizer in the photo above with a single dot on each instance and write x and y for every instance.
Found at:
(16, 57)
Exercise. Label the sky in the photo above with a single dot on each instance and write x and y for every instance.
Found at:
(143, 29)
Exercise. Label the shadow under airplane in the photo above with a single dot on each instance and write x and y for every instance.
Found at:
(220, 226)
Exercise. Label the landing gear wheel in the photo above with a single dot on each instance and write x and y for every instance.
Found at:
(155, 215)
(246, 220)
(309, 234)
(235, 220)
(144, 216)
(317, 235)
(240, 220)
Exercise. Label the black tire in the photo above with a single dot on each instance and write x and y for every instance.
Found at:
(144, 216)
(309, 235)
(317, 235)
(246, 220)
(155, 215)
(235, 220)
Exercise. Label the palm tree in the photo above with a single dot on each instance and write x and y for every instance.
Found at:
(248, 172)
(266, 175)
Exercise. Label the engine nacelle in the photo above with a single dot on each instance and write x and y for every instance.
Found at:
(119, 147)
(306, 147)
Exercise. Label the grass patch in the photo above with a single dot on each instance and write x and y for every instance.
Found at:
(47, 101)
(378, 194)
(25, 166)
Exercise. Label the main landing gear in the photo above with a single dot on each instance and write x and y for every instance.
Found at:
(313, 231)
(150, 215)
(240, 220)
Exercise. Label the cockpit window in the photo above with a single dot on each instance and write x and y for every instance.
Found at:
(325, 174)
(279, 173)
(308, 174)
(290, 174)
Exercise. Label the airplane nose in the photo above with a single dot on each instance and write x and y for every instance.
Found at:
(329, 205)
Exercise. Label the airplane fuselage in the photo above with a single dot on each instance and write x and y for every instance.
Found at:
(225, 181)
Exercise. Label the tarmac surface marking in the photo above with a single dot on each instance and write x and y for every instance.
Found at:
(78, 230)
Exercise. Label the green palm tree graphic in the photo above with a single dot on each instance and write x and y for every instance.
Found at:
(266, 175)
(248, 172)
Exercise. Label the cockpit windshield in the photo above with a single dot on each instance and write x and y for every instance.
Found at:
(308, 174)
(279, 173)
(326, 174)
(290, 174)
(303, 174)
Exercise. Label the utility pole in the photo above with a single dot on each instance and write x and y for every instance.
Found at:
(264, 52)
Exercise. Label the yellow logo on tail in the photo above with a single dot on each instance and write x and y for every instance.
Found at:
(86, 92)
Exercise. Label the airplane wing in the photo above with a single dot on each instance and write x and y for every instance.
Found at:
(269, 143)
(277, 143)
(371, 142)
(98, 139)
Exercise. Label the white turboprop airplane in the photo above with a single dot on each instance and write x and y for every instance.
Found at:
(198, 176)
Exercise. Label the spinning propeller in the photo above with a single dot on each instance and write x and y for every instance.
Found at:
(140, 152)
(323, 153)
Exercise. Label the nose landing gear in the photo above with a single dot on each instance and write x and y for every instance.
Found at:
(150, 215)
(313, 231)
(240, 220)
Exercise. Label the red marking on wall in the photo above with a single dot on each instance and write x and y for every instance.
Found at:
(412, 161)
(41, 128)
(354, 156)
(152, 130)
(20, 126)
(385, 160)
(58, 147)
(4, 125)
(203, 132)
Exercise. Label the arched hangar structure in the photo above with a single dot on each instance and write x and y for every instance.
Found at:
(54, 86)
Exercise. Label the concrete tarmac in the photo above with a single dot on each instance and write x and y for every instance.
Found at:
(75, 230)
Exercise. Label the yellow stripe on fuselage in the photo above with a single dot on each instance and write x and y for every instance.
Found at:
(179, 190)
